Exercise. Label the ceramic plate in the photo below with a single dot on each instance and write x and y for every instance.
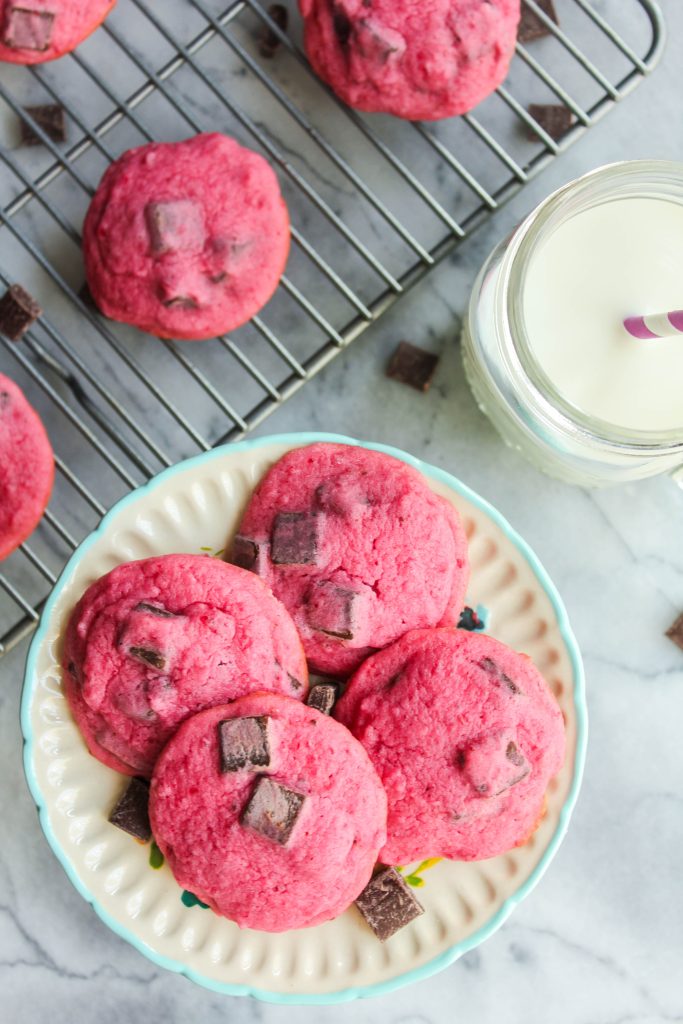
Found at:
(195, 507)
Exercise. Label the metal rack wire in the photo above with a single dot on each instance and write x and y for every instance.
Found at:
(375, 204)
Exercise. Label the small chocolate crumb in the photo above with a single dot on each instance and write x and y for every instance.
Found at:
(554, 118)
(294, 539)
(244, 743)
(293, 681)
(512, 753)
(412, 366)
(180, 302)
(675, 631)
(248, 554)
(18, 310)
(269, 41)
(27, 29)
(273, 810)
(322, 697)
(49, 117)
(148, 656)
(154, 609)
(530, 26)
(497, 675)
(131, 813)
(469, 620)
(387, 904)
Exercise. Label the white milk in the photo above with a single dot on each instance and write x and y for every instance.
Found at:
(622, 258)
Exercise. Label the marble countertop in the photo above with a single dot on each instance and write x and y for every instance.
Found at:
(600, 940)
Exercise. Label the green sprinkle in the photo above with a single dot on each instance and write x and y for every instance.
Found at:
(206, 549)
(156, 857)
(415, 881)
(219, 554)
(190, 900)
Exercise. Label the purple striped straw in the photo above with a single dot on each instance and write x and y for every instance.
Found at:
(658, 325)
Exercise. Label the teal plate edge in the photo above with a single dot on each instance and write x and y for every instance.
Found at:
(444, 959)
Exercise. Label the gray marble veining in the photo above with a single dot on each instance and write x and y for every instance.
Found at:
(600, 941)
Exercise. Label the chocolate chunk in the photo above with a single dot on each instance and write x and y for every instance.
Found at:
(554, 118)
(131, 813)
(294, 539)
(135, 703)
(18, 310)
(413, 366)
(49, 117)
(530, 26)
(492, 763)
(180, 302)
(675, 631)
(512, 753)
(154, 609)
(331, 609)
(469, 620)
(244, 743)
(273, 810)
(176, 225)
(293, 681)
(27, 29)
(378, 42)
(269, 41)
(343, 27)
(387, 904)
(497, 675)
(322, 697)
(149, 656)
(248, 554)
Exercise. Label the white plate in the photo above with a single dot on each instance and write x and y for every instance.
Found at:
(197, 505)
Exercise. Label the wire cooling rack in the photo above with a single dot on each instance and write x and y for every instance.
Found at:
(375, 204)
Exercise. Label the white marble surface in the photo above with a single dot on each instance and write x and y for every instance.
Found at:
(600, 941)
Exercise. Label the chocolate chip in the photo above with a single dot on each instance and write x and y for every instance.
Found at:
(175, 225)
(554, 118)
(149, 656)
(387, 904)
(497, 675)
(273, 810)
(322, 697)
(491, 764)
(131, 813)
(154, 609)
(27, 29)
(180, 302)
(18, 310)
(244, 743)
(343, 26)
(294, 539)
(248, 554)
(293, 681)
(469, 620)
(412, 366)
(330, 609)
(269, 41)
(675, 631)
(530, 26)
(512, 753)
(49, 117)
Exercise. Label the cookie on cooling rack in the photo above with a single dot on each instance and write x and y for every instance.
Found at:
(27, 467)
(154, 641)
(186, 240)
(420, 61)
(357, 547)
(465, 735)
(268, 811)
(33, 31)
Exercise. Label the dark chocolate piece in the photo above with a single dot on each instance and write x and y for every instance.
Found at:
(131, 813)
(18, 310)
(294, 539)
(293, 681)
(149, 656)
(530, 26)
(27, 29)
(244, 743)
(489, 775)
(154, 609)
(554, 118)
(412, 366)
(49, 117)
(469, 620)
(497, 676)
(675, 631)
(247, 554)
(180, 302)
(387, 904)
(322, 697)
(330, 609)
(273, 810)
(343, 27)
(269, 41)
(175, 225)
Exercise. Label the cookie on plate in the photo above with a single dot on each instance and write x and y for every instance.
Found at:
(154, 641)
(186, 239)
(33, 31)
(421, 61)
(268, 811)
(358, 549)
(465, 735)
(27, 467)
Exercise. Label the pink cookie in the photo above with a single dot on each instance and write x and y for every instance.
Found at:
(421, 61)
(154, 641)
(33, 31)
(268, 811)
(465, 735)
(27, 467)
(186, 239)
(357, 547)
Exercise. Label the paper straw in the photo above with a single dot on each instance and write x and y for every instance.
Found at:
(658, 325)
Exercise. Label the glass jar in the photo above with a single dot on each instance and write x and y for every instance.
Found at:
(507, 380)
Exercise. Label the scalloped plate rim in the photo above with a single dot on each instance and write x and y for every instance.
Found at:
(450, 955)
